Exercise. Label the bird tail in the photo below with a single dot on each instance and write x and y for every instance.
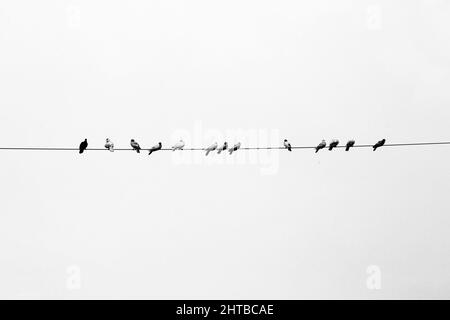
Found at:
(347, 148)
(290, 149)
(317, 150)
(150, 152)
(219, 151)
(207, 152)
(81, 151)
(375, 148)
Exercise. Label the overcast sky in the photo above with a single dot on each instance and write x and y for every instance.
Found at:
(269, 225)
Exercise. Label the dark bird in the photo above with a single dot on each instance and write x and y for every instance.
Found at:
(224, 147)
(211, 148)
(135, 146)
(334, 143)
(155, 148)
(321, 145)
(379, 144)
(350, 144)
(83, 146)
(236, 147)
(287, 145)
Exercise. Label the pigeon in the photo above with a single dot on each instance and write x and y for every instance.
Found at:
(321, 145)
(350, 144)
(83, 146)
(211, 148)
(287, 145)
(155, 148)
(109, 145)
(224, 147)
(135, 146)
(334, 143)
(235, 148)
(379, 144)
(178, 146)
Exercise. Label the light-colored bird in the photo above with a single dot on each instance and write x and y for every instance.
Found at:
(236, 147)
(224, 147)
(135, 146)
(83, 146)
(350, 144)
(379, 144)
(109, 145)
(211, 148)
(155, 148)
(178, 146)
(334, 143)
(287, 145)
(321, 145)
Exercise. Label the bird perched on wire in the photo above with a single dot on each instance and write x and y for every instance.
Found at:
(135, 146)
(155, 148)
(223, 148)
(287, 145)
(178, 146)
(334, 143)
(83, 146)
(349, 144)
(109, 145)
(211, 148)
(321, 145)
(236, 147)
(379, 144)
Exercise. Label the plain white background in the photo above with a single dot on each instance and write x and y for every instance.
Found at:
(129, 226)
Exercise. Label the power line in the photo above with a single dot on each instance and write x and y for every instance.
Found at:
(243, 148)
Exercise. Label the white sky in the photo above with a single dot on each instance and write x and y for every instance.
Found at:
(140, 227)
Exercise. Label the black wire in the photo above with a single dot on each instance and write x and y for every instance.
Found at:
(244, 148)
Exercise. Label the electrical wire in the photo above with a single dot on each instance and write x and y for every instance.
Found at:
(243, 148)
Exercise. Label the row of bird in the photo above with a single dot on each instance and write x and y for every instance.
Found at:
(334, 143)
(215, 147)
